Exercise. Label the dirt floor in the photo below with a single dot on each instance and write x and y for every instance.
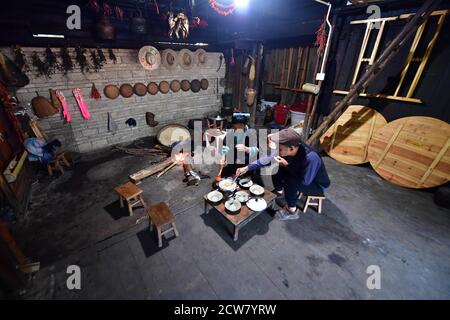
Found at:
(76, 219)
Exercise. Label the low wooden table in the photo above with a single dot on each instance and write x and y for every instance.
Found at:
(244, 216)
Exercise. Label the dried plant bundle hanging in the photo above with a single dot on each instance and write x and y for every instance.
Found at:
(112, 56)
(20, 59)
(96, 64)
(101, 56)
(67, 64)
(51, 61)
(81, 59)
(38, 64)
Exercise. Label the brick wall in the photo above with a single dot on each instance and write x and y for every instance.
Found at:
(86, 135)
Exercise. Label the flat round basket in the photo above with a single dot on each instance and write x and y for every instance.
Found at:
(111, 91)
(175, 86)
(204, 84)
(126, 90)
(140, 89)
(185, 85)
(172, 133)
(347, 141)
(152, 88)
(164, 87)
(412, 152)
(195, 86)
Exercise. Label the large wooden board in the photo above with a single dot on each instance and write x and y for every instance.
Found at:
(347, 140)
(413, 152)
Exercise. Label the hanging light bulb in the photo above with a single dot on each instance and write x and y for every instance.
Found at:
(241, 4)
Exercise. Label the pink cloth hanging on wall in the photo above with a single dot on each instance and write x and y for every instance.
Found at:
(62, 100)
(81, 104)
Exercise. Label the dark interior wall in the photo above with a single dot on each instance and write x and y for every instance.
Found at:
(433, 88)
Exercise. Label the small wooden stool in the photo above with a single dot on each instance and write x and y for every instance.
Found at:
(309, 202)
(160, 215)
(57, 162)
(130, 192)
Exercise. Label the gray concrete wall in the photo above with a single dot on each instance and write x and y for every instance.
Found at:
(86, 135)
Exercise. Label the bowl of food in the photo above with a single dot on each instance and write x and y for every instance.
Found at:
(233, 206)
(214, 197)
(256, 190)
(245, 183)
(241, 196)
(227, 185)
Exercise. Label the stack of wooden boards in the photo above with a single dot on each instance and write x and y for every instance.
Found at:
(412, 152)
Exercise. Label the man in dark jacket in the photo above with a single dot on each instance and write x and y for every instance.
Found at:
(301, 170)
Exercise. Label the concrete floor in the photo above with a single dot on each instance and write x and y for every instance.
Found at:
(76, 219)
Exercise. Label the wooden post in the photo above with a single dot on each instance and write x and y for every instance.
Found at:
(399, 41)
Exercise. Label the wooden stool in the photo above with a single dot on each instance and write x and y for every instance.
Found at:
(57, 162)
(160, 215)
(130, 192)
(309, 202)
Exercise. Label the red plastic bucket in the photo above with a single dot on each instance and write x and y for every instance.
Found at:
(280, 114)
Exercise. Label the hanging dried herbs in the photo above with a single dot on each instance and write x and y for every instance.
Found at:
(96, 64)
(101, 56)
(51, 62)
(39, 65)
(112, 56)
(81, 59)
(20, 59)
(67, 64)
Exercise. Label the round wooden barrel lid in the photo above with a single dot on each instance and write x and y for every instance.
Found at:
(412, 152)
(152, 88)
(347, 141)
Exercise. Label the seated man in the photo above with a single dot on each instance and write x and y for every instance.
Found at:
(301, 170)
(39, 150)
(241, 143)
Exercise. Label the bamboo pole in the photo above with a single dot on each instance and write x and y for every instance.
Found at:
(399, 41)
